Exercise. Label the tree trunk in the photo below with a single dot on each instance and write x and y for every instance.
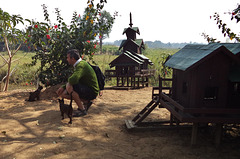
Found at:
(8, 75)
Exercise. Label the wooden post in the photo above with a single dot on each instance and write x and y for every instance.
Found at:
(117, 81)
(171, 119)
(160, 86)
(146, 81)
(134, 81)
(194, 134)
(218, 135)
(123, 81)
(138, 85)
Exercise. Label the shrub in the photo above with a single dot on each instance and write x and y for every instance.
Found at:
(51, 42)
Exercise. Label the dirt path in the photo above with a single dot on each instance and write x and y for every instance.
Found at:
(35, 130)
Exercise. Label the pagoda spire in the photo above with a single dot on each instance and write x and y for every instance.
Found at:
(131, 20)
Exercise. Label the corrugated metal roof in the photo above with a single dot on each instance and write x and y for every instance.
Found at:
(233, 47)
(189, 55)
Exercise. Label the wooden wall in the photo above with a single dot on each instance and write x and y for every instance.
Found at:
(204, 85)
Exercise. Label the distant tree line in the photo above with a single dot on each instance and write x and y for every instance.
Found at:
(24, 47)
(149, 44)
(157, 44)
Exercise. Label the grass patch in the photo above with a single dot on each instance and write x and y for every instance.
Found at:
(21, 72)
(24, 74)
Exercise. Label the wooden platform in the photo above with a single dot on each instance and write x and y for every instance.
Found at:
(200, 115)
(180, 115)
(131, 126)
(138, 79)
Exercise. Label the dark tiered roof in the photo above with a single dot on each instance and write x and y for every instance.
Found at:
(130, 59)
(135, 29)
(138, 42)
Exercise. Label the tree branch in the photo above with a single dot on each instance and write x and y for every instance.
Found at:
(4, 58)
(17, 49)
(9, 75)
(20, 57)
(6, 43)
(3, 64)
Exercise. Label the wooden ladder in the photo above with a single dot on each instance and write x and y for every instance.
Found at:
(146, 110)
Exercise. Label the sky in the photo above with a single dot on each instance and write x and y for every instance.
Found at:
(173, 21)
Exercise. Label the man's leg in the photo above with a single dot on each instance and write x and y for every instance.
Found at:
(65, 95)
(75, 96)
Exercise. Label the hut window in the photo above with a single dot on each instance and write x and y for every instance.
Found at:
(184, 87)
(211, 93)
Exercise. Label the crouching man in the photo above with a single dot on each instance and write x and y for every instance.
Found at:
(83, 83)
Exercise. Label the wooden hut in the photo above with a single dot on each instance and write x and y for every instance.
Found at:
(131, 66)
(204, 76)
(205, 88)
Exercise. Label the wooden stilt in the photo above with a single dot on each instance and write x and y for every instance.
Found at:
(171, 119)
(194, 134)
(218, 134)
(122, 81)
(134, 80)
(117, 81)
(146, 81)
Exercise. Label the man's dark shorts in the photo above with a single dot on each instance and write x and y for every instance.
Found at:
(84, 91)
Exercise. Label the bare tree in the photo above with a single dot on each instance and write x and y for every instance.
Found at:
(12, 38)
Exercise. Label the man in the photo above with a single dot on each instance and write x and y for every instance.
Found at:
(83, 83)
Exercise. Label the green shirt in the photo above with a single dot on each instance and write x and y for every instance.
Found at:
(84, 74)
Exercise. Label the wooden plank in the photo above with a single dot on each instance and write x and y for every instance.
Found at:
(211, 110)
(167, 98)
(146, 113)
(212, 119)
(143, 110)
(147, 126)
(172, 110)
(129, 124)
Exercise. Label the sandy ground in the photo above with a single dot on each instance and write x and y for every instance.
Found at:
(35, 130)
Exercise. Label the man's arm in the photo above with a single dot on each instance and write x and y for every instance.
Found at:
(77, 74)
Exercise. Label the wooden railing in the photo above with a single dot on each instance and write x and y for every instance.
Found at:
(139, 73)
(161, 88)
(146, 72)
(110, 73)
